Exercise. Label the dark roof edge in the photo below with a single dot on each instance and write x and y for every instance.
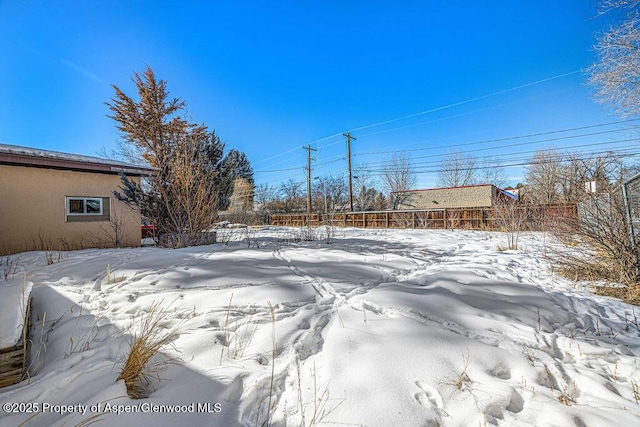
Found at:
(24, 156)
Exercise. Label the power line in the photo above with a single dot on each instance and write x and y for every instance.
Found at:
(298, 167)
(631, 152)
(467, 101)
(532, 135)
(341, 157)
(524, 144)
(564, 150)
(521, 161)
(440, 119)
(432, 110)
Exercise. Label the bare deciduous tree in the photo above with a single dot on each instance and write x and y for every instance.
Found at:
(338, 192)
(293, 196)
(543, 176)
(331, 193)
(616, 74)
(492, 172)
(398, 174)
(190, 203)
(511, 219)
(319, 194)
(607, 248)
(555, 177)
(264, 193)
(457, 169)
(608, 5)
(601, 247)
(366, 196)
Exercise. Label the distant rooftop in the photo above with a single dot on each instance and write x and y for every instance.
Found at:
(34, 157)
(443, 188)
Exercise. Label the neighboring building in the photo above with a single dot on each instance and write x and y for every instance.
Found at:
(58, 201)
(470, 196)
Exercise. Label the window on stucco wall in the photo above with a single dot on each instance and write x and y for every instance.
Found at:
(83, 209)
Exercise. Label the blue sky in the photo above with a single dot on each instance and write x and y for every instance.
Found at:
(273, 76)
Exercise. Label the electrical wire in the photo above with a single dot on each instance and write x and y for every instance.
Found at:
(532, 135)
(467, 101)
(421, 113)
(362, 153)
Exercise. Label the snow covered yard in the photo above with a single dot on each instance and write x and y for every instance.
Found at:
(375, 328)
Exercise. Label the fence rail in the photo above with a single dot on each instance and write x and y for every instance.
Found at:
(532, 218)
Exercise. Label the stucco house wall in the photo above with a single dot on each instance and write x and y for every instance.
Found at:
(473, 196)
(34, 205)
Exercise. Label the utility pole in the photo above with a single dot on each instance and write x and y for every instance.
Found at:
(349, 138)
(309, 149)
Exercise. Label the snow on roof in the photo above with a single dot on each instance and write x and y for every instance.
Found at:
(16, 152)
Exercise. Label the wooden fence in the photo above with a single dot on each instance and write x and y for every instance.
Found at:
(531, 218)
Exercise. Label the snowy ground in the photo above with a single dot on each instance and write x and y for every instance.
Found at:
(375, 328)
(14, 297)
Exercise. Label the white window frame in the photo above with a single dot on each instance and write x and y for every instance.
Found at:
(68, 200)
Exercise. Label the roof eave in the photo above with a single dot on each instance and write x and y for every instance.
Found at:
(77, 165)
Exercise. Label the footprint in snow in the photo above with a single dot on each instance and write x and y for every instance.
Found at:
(428, 396)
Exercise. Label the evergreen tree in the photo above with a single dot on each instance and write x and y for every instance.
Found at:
(235, 165)
(241, 165)
(191, 182)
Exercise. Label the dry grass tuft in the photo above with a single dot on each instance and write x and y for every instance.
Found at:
(569, 395)
(599, 268)
(460, 380)
(629, 294)
(314, 408)
(140, 368)
(273, 360)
